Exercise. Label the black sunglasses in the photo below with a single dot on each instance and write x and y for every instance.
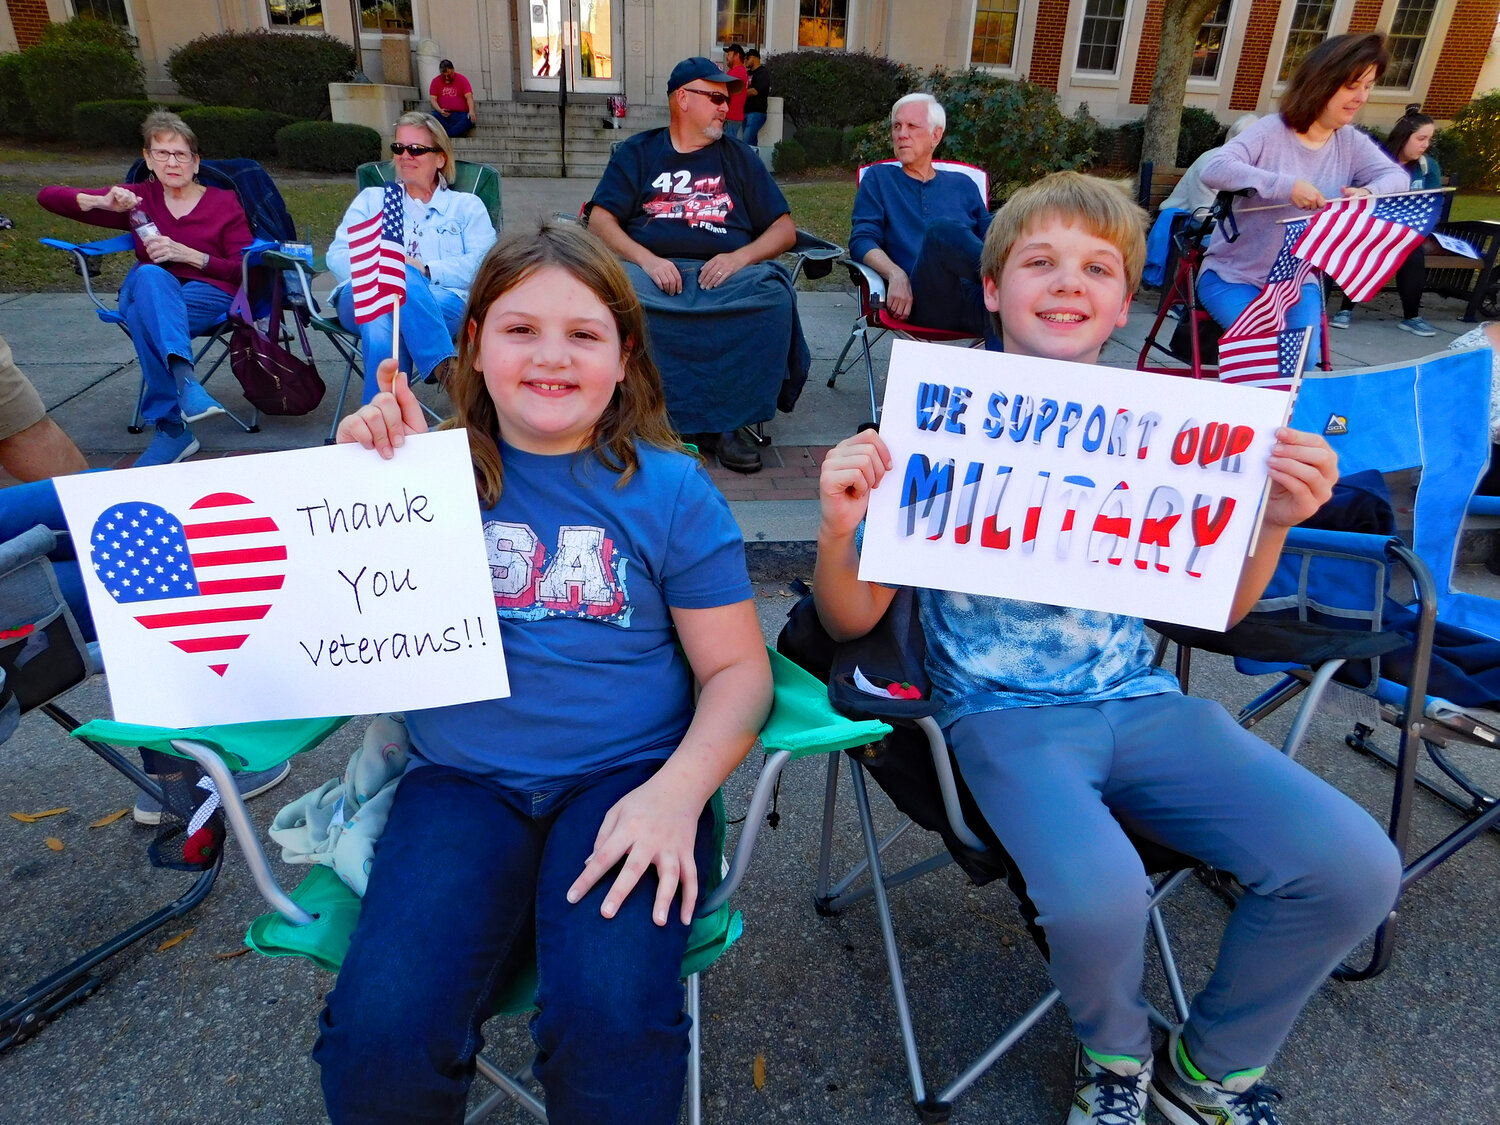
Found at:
(712, 95)
(397, 148)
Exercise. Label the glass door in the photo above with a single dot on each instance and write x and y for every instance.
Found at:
(581, 35)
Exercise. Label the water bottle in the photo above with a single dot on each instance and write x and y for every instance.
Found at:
(141, 223)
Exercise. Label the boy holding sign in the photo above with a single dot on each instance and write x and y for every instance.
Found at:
(1067, 735)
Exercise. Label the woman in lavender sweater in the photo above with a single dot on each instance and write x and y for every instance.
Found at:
(1299, 158)
(186, 273)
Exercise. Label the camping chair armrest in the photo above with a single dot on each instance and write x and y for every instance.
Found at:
(1338, 544)
(300, 269)
(815, 256)
(252, 256)
(83, 251)
(870, 284)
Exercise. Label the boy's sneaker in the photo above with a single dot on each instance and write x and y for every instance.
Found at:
(1417, 327)
(1342, 319)
(252, 784)
(1112, 1093)
(1241, 1099)
(167, 448)
(196, 403)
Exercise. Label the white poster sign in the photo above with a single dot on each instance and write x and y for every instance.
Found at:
(289, 585)
(1068, 484)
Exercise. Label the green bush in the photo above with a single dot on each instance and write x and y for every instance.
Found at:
(1447, 149)
(1475, 143)
(1199, 132)
(788, 156)
(823, 144)
(869, 143)
(326, 146)
(1013, 130)
(261, 70)
(837, 88)
(110, 124)
(87, 29)
(58, 75)
(15, 107)
(225, 132)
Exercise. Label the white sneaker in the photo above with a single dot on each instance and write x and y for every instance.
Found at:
(1241, 1099)
(1108, 1094)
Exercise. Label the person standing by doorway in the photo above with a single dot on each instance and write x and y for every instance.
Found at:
(452, 100)
(734, 66)
(757, 95)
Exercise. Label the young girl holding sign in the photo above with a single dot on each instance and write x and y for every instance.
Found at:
(568, 817)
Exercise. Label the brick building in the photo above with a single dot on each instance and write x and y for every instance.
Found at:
(1102, 52)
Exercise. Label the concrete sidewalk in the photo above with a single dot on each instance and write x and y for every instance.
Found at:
(191, 1034)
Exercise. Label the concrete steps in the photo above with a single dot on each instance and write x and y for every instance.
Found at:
(521, 138)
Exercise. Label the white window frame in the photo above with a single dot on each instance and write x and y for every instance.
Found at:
(1198, 82)
(797, 45)
(293, 29)
(1334, 14)
(129, 14)
(1095, 77)
(765, 27)
(1416, 66)
(1015, 47)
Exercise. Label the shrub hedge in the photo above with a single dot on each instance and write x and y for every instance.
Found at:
(115, 124)
(1472, 145)
(87, 29)
(60, 73)
(788, 156)
(326, 146)
(15, 107)
(261, 70)
(226, 131)
(837, 88)
(823, 144)
(1199, 132)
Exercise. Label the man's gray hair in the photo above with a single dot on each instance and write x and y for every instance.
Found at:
(937, 117)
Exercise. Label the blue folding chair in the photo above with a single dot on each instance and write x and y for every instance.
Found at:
(1375, 616)
(269, 222)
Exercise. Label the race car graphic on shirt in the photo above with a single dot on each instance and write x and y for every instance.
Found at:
(700, 203)
(583, 578)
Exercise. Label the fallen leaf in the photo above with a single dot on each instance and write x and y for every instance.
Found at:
(54, 843)
(231, 954)
(171, 941)
(33, 817)
(110, 819)
(758, 1072)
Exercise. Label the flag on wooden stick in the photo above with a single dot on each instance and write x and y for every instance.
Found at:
(1257, 347)
(377, 258)
(1361, 241)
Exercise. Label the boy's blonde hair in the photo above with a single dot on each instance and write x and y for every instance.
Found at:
(1101, 207)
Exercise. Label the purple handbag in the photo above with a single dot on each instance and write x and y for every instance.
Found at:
(275, 381)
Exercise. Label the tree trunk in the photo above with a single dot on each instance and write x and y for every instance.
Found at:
(1180, 21)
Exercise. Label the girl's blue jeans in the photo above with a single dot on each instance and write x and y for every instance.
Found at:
(429, 322)
(469, 881)
(1225, 300)
(164, 314)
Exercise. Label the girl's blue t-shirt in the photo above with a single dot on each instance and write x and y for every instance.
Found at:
(585, 574)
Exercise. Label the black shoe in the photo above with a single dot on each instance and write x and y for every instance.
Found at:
(736, 453)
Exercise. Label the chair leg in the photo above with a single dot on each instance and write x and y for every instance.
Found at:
(695, 1055)
(350, 364)
(508, 1086)
(821, 898)
(857, 332)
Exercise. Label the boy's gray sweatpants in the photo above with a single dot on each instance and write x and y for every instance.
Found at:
(1057, 783)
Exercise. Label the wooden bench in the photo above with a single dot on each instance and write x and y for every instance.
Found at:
(1155, 184)
(1467, 279)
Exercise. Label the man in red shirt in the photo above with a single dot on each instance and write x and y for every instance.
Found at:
(452, 100)
(734, 66)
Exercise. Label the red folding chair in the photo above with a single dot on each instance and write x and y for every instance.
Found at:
(874, 321)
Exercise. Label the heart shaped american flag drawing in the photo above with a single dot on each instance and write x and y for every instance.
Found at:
(207, 577)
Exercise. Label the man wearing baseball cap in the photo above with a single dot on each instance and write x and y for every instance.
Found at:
(697, 220)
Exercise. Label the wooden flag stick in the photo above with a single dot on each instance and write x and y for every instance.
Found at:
(1387, 195)
(396, 330)
(1286, 417)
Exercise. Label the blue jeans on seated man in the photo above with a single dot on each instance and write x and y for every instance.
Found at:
(946, 288)
(429, 321)
(457, 123)
(1225, 300)
(753, 124)
(164, 314)
(469, 880)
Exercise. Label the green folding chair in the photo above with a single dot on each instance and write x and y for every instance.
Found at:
(317, 918)
(482, 180)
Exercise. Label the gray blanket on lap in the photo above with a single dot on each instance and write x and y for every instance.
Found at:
(729, 356)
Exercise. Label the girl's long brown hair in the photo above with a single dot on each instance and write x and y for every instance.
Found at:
(637, 412)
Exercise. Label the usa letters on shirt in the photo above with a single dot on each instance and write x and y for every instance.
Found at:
(1068, 484)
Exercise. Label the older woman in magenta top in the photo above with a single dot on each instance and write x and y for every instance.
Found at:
(186, 273)
(1301, 157)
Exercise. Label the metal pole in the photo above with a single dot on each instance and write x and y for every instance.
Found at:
(359, 50)
(562, 109)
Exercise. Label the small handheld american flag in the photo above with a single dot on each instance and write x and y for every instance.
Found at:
(1361, 241)
(1258, 348)
(377, 258)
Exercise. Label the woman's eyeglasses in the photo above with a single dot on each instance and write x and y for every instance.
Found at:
(397, 148)
(712, 95)
(170, 156)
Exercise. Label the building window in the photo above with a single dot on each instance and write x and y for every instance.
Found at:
(1210, 43)
(1310, 19)
(742, 22)
(822, 23)
(385, 15)
(109, 11)
(1407, 37)
(295, 13)
(1099, 38)
(995, 32)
